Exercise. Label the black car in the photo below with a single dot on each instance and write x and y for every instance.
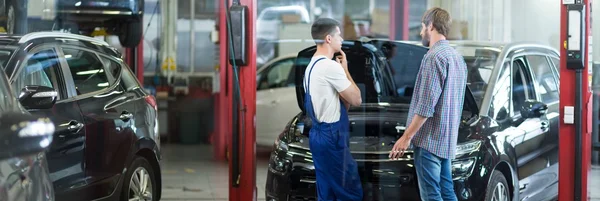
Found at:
(106, 138)
(123, 18)
(508, 138)
(23, 166)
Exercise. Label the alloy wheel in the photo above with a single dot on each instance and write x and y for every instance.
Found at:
(140, 185)
(500, 192)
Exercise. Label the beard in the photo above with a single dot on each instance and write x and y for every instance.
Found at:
(425, 39)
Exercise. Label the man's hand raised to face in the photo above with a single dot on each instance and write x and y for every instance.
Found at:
(351, 95)
(342, 60)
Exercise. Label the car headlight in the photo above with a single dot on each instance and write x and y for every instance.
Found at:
(280, 145)
(462, 168)
(468, 147)
(278, 162)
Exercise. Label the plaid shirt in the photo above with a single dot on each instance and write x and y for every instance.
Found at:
(439, 95)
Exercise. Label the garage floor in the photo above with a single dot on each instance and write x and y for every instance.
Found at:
(189, 173)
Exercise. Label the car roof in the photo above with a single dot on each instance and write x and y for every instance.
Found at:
(13, 39)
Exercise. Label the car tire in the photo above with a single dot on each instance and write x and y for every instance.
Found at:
(497, 189)
(140, 168)
(130, 34)
(16, 19)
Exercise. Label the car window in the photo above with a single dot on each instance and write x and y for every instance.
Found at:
(128, 79)
(522, 88)
(113, 67)
(500, 104)
(87, 71)
(556, 64)
(547, 86)
(276, 76)
(41, 68)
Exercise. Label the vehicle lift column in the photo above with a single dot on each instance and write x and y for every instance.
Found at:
(236, 122)
(575, 101)
(134, 57)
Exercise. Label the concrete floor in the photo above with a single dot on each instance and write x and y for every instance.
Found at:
(190, 174)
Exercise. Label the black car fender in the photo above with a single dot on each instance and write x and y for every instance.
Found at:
(148, 148)
(506, 165)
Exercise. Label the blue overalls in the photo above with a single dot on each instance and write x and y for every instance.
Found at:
(336, 171)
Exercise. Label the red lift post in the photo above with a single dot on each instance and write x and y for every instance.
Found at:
(242, 186)
(134, 57)
(399, 18)
(574, 142)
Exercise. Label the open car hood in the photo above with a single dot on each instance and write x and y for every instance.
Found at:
(396, 64)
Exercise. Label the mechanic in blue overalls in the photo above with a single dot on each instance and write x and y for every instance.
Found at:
(330, 90)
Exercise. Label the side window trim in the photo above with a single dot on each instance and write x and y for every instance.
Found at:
(555, 66)
(66, 73)
(517, 58)
(61, 82)
(498, 86)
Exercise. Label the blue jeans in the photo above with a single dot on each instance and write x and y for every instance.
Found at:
(434, 175)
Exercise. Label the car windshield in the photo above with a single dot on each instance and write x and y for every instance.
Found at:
(405, 61)
(386, 73)
(480, 64)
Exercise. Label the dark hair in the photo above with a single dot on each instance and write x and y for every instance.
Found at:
(323, 27)
(439, 18)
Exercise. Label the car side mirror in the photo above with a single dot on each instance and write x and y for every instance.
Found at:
(38, 97)
(24, 134)
(533, 109)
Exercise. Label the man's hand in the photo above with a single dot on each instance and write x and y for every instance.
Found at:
(342, 60)
(400, 146)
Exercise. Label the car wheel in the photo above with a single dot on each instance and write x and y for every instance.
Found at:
(497, 189)
(130, 34)
(139, 183)
(16, 21)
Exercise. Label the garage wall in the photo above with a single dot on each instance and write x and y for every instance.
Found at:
(484, 20)
(536, 20)
(514, 20)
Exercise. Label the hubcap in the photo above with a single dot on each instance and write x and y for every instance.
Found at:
(10, 22)
(140, 186)
(500, 192)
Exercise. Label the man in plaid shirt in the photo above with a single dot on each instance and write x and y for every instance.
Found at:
(435, 110)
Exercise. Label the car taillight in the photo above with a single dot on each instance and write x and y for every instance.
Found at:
(152, 101)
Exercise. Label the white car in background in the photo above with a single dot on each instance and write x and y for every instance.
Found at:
(275, 98)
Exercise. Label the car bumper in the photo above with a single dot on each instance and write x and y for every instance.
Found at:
(381, 180)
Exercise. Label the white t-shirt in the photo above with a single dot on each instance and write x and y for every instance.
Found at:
(327, 80)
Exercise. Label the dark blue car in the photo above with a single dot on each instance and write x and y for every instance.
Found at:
(23, 166)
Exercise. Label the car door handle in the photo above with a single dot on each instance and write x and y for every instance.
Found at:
(545, 125)
(74, 126)
(126, 116)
